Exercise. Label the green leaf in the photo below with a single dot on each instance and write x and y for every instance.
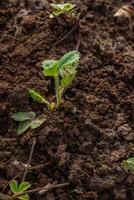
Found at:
(22, 116)
(48, 63)
(66, 7)
(67, 71)
(38, 122)
(37, 96)
(24, 186)
(128, 165)
(14, 186)
(66, 81)
(62, 6)
(23, 197)
(56, 6)
(50, 67)
(59, 9)
(70, 58)
(23, 126)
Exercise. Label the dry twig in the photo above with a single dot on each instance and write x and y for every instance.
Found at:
(46, 188)
(19, 174)
(29, 160)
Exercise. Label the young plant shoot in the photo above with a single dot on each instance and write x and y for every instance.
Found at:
(19, 191)
(28, 120)
(60, 9)
(128, 165)
(63, 72)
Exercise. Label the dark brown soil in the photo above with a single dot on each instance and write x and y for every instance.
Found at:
(86, 140)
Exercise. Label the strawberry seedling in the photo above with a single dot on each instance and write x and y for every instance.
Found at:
(63, 72)
(128, 165)
(60, 9)
(28, 120)
(19, 191)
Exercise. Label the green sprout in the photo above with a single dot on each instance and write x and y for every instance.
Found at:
(63, 72)
(28, 120)
(19, 191)
(59, 9)
(128, 165)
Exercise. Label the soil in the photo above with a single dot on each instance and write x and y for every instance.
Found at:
(86, 140)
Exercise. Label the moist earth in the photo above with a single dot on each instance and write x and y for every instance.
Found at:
(86, 140)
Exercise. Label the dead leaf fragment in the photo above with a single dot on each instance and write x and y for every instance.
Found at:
(125, 11)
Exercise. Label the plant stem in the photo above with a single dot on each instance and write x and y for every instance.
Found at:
(58, 96)
(47, 104)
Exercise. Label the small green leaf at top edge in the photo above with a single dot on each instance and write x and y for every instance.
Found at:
(128, 165)
(59, 9)
(50, 68)
(22, 116)
(36, 96)
(23, 126)
(14, 186)
(24, 186)
(38, 122)
(62, 6)
(69, 58)
(23, 197)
